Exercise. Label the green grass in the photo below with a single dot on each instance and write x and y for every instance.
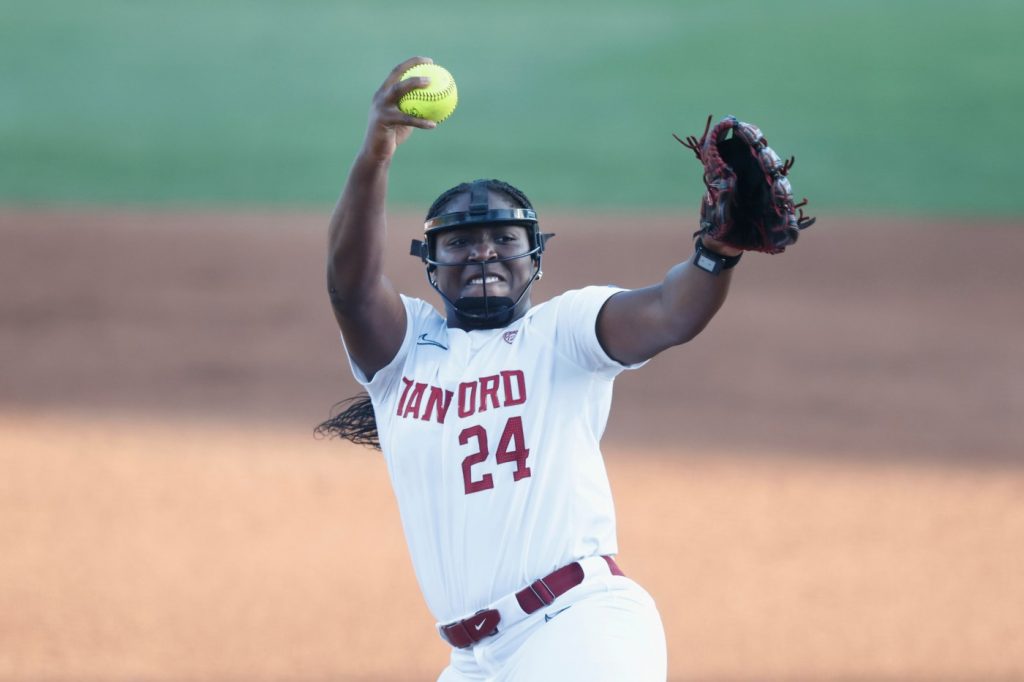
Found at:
(894, 106)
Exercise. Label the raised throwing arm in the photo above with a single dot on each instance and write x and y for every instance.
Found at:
(365, 303)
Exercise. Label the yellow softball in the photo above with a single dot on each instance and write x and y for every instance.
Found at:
(436, 101)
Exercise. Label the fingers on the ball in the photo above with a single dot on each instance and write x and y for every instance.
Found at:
(396, 73)
(415, 122)
(401, 88)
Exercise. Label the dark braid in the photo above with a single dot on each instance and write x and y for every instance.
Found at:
(356, 421)
(446, 196)
(512, 191)
(505, 188)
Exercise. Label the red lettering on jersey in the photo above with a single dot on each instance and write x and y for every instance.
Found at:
(487, 481)
(467, 398)
(401, 402)
(512, 448)
(413, 408)
(514, 379)
(505, 389)
(441, 403)
(489, 387)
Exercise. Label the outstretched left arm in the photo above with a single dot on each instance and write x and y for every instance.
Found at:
(748, 206)
(636, 325)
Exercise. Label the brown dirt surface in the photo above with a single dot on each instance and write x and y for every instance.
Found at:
(827, 484)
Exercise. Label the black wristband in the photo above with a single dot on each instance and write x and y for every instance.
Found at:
(709, 261)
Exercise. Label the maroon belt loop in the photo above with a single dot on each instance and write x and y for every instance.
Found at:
(556, 583)
(546, 601)
(538, 594)
(612, 566)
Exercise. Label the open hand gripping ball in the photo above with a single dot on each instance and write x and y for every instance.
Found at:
(436, 101)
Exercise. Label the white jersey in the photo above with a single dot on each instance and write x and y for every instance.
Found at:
(491, 442)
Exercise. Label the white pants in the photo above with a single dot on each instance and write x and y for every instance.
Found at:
(608, 628)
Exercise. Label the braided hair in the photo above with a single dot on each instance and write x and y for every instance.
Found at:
(355, 421)
(511, 191)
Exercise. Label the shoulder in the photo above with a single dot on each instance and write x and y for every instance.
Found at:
(572, 308)
(420, 312)
(586, 301)
(569, 321)
(422, 320)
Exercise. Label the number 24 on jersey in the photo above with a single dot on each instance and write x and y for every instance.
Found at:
(511, 450)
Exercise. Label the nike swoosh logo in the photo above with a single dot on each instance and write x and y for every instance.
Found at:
(549, 616)
(479, 625)
(424, 341)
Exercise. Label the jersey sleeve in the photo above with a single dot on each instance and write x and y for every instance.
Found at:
(417, 313)
(576, 330)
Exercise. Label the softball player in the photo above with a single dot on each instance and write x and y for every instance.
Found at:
(489, 416)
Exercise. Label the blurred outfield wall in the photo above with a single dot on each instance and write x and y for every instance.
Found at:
(902, 107)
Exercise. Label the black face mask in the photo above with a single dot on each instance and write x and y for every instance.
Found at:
(482, 312)
(487, 312)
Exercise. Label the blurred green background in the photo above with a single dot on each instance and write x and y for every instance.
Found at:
(891, 106)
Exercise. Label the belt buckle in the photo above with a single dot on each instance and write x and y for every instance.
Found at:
(480, 625)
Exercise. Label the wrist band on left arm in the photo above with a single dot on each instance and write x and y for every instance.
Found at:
(709, 261)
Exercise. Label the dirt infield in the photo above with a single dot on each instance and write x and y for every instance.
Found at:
(826, 485)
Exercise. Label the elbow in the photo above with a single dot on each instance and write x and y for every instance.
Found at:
(338, 302)
(341, 295)
(681, 339)
(688, 321)
(687, 329)
(350, 280)
(352, 293)
(670, 337)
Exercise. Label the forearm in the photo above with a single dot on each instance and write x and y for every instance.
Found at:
(356, 234)
(690, 297)
(638, 324)
(357, 231)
